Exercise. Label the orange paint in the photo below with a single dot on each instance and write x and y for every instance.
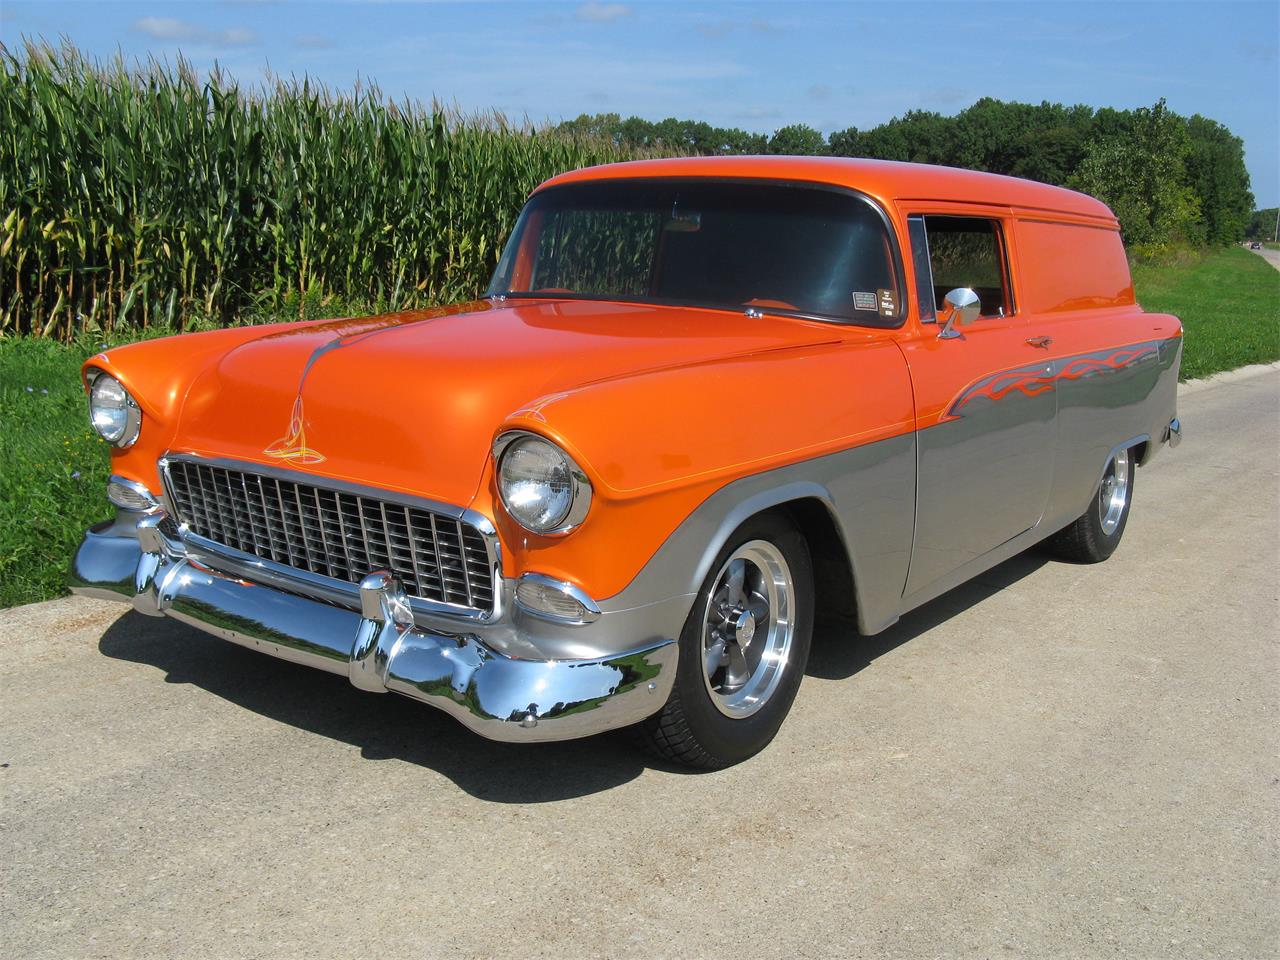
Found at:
(661, 406)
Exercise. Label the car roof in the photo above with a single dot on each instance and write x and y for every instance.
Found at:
(884, 180)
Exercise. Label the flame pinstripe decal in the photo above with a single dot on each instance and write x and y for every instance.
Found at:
(1036, 378)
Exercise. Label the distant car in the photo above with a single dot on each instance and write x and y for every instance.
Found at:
(705, 400)
(1255, 245)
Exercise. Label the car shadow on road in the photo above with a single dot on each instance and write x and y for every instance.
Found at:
(839, 652)
(382, 726)
(393, 727)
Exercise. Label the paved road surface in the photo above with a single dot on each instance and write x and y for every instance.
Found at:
(1055, 761)
(1271, 256)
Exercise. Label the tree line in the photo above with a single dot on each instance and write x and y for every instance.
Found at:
(1171, 180)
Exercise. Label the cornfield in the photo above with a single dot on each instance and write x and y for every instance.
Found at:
(143, 195)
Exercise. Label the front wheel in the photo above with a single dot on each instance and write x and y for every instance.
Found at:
(743, 650)
(1094, 536)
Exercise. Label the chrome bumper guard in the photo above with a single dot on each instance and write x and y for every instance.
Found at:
(378, 648)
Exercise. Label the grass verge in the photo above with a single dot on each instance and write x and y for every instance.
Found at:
(53, 470)
(1229, 304)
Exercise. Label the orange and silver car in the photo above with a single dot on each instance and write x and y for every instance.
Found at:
(703, 400)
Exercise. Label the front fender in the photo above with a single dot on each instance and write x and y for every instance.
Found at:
(659, 446)
(867, 491)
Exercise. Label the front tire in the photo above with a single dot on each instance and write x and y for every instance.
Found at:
(743, 650)
(1096, 533)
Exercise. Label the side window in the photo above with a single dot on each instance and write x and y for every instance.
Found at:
(966, 252)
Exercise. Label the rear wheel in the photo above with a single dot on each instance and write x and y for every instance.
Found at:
(1096, 533)
(742, 651)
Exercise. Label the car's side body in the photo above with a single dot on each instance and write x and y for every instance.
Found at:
(910, 461)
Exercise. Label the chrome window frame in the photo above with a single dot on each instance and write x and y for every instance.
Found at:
(1000, 232)
(248, 566)
(924, 276)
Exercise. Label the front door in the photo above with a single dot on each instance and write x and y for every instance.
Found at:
(985, 400)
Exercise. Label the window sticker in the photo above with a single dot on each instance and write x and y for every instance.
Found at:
(864, 300)
(888, 303)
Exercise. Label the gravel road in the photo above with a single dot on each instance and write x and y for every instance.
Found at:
(1055, 760)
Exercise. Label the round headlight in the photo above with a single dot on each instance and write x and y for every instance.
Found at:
(543, 490)
(113, 413)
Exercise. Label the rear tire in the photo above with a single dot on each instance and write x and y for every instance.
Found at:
(1096, 533)
(743, 650)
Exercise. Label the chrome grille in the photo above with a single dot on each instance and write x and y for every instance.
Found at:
(333, 533)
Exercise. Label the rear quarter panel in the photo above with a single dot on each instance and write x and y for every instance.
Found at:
(1115, 366)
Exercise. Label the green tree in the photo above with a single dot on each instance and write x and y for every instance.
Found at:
(1168, 178)
(1141, 176)
(1262, 225)
(1217, 174)
(1049, 155)
(798, 139)
(602, 126)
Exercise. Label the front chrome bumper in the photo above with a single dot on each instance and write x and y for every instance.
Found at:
(379, 648)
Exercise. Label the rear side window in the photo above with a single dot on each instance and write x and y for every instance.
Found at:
(963, 252)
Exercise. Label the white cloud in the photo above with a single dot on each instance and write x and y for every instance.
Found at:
(183, 31)
(603, 12)
(312, 41)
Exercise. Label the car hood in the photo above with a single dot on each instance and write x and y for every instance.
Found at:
(412, 401)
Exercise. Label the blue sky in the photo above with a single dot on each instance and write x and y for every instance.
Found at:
(756, 65)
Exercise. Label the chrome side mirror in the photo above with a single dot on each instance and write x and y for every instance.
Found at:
(965, 308)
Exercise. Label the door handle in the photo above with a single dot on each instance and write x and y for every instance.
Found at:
(1042, 342)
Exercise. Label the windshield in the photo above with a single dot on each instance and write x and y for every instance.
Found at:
(776, 247)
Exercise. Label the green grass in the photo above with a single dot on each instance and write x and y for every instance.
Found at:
(53, 470)
(1229, 304)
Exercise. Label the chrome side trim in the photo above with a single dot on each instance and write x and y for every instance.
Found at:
(219, 556)
(379, 648)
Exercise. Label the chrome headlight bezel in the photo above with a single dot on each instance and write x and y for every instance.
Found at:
(133, 413)
(579, 485)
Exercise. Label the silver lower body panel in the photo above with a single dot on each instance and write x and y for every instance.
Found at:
(379, 648)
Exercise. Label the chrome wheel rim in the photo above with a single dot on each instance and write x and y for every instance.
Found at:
(1113, 495)
(747, 629)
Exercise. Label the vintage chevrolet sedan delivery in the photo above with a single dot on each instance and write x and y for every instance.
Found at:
(704, 399)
